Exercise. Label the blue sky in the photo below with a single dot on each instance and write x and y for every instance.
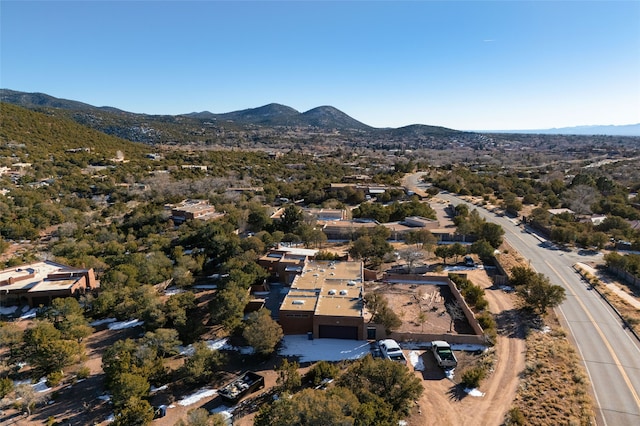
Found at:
(475, 65)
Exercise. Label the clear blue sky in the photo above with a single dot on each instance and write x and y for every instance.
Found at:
(476, 65)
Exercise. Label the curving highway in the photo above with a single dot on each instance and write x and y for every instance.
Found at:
(611, 354)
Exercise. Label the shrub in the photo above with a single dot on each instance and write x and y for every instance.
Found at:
(54, 378)
(322, 370)
(515, 418)
(472, 377)
(83, 372)
(6, 386)
(486, 321)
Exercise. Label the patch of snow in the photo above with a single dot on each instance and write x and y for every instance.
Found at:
(246, 350)
(31, 313)
(8, 310)
(468, 347)
(416, 361)
(507, 289)
(125, 324)
(216, 345)
(458, 268)
(102, 321)
(449, 373)
(171, 406)
(111, 418)
(474, 392)
(41, 386)
(225, 411)
(545, 329)
(206, 286)
(155, 389)
(323, 349)
(105, 397)
(193, 398)
(172, 291)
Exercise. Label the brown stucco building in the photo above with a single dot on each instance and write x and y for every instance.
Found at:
(326, 300)
(39, 283)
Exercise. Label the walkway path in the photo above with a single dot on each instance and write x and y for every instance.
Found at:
(611, 285)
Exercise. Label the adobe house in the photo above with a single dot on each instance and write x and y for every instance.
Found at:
(193, 209)
(39, 283)
(286, 262)
(326, 301)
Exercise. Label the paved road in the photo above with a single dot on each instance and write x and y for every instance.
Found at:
(610, 352)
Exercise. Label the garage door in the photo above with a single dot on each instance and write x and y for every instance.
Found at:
(338, 332)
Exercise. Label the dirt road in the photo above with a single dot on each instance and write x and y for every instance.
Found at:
(444, 403)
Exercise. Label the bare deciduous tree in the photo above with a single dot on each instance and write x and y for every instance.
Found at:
(455, 313)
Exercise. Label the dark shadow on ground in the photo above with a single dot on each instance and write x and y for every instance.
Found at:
(457, 393)
(431, 370)
(77, 404)
(510, 324)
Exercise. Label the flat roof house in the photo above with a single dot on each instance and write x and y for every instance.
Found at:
(326, 300)
(286, 262)
(39, 283)
(193, 209)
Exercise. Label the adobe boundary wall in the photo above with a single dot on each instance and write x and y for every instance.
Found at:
(476, 338)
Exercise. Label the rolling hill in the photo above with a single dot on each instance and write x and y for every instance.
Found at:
(267, 121)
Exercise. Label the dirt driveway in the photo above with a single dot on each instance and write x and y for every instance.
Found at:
(445, 403)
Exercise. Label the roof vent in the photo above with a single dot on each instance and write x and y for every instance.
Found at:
(332, 292)
(298, 302)
(343, 292)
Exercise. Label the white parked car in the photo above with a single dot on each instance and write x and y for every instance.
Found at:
(391, 350)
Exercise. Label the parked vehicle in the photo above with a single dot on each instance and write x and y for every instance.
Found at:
(245, 384)
(391, 350)
(443, 353)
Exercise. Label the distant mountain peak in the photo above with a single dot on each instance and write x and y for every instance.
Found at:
(323, 118)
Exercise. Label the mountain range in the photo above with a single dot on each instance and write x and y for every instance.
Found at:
(609, 130)
(323, 118)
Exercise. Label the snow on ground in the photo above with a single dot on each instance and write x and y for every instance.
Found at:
(173, 291)
(7, 310)
(225, 411)
(416, 360)
(40, 386)
(474, 392)
(31, 313)
(155, 389)
(195, 397)
(205, 287)
(323, 349)
(449, 373)
(102, 321)
(454, 346)
(216, 345)
(125, 324)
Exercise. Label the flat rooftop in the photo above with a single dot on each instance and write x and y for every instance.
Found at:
(327, 288)
(40, 271)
